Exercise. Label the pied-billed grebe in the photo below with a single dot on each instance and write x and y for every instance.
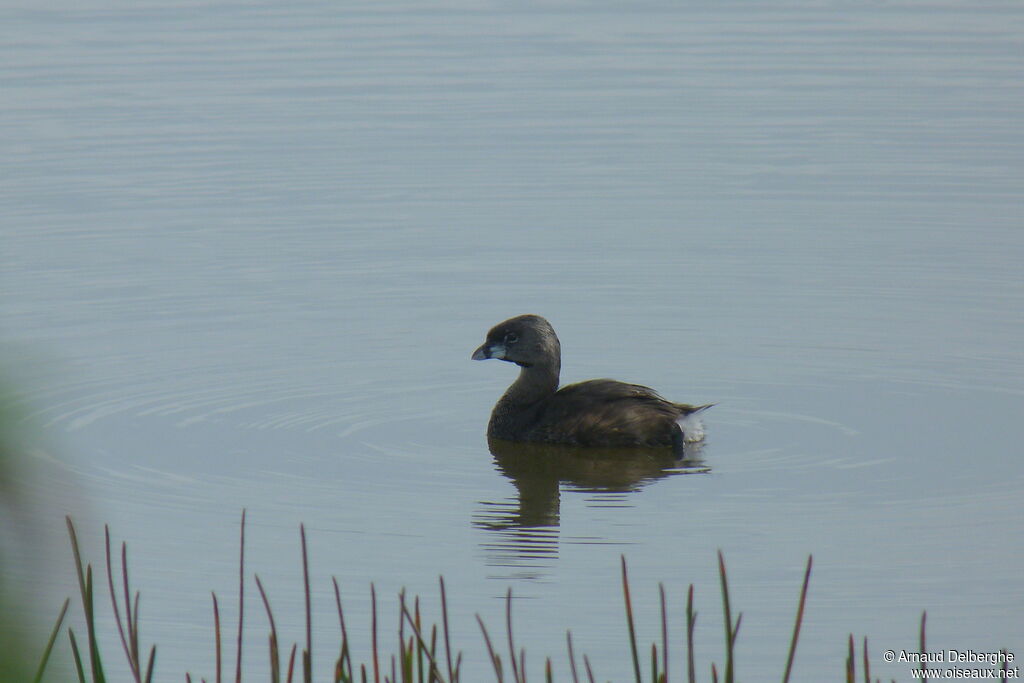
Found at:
(599, 412)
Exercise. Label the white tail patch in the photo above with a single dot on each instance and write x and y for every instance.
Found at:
(693, 428)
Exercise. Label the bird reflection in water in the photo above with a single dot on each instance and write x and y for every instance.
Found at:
(526, 527)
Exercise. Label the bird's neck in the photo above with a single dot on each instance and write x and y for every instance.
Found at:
(535, 382)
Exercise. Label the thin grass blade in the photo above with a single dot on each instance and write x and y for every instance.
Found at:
(307, 655)
(629, 620)
(664, 632)
(49, 643)
(373, 632)
(241, 598)
(150, 665)
(495, 659)
(511, 646)
(586, 667)
(94, 646)
(447, 633)
(85, 587)
(291, 662)
(275, 661)
(77, 656)
(851, 666)
(345, 658)
(132, 664)
(730, 632)
(421, 642)
(867, 663)
(924, 646)
(216, 636)
(691, 623)
(572, 657)
(131, 612)
(799, 619)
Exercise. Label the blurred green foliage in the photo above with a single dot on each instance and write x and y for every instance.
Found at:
(18, 637)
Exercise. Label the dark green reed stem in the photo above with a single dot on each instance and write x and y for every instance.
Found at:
(799, 619)
(275, 656)
(241, 598)
(435, 669)
(131, 609)
(85, 586)
(344, 666)
(149, 667)
(730, 632)
(851, 667)
(629, 620)
(495, 659)
(307, 654)
(867, 664)
(433, 675)
(590, 672)
(132, 661)
(291, 662)
(572, 657)
(216, 634)
(373, 632)
(691, 624)
(447, 635)
(421, 648)
(49, 643)
(131, 606)
(511, 646)
(77, 656)
(664, 633)
(404, 653)
(924, 646)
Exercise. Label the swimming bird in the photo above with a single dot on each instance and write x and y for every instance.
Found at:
(598, 412)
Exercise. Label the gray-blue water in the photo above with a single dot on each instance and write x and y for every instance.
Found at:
(248, 248)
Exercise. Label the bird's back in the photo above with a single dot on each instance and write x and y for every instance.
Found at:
(605, 412)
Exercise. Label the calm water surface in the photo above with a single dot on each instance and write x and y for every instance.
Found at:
(249, 247)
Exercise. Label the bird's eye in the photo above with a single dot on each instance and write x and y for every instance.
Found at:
(511, 338)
